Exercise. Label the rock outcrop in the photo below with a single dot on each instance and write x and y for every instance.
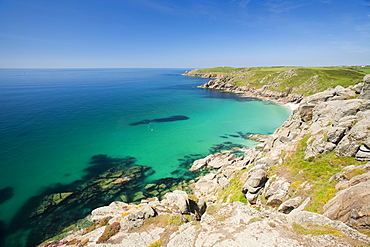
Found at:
(222, 83)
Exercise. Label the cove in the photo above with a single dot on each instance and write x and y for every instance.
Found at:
(55, 120)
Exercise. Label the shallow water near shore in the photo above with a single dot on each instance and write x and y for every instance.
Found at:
(54, 120)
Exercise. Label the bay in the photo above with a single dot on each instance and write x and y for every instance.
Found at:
(52, 121)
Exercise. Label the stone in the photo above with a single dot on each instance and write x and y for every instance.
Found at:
(287, 206)
(335, 134)
(276, 191)
(351, 206)
(121, 180)
(353, 181)
(150, 186)
(177, 200)
(49, 201)
(124, 198)
(305, 112)
(346, 147)
(252, 198)
(358, 87)
(363, 153)
(197, 164)
(365, 91)
(221, 160)
(316, 145)
(138, 196)
(256, 180)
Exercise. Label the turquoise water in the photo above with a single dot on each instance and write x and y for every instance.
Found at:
(52, 121)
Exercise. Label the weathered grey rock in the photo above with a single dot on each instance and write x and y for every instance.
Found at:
(365, 91)
(197, 164)
(353, 181)
(358, 87)
(335, 134)
(316, 145)
(265, 163)
(306, 112)
(287, 206)
(351, 206)
(221, 160)
(102, 212)
(251, 197)
(256, 180)
(346, 147)
(177, 200)
(363, 153)
(309, 218)
(276, 190)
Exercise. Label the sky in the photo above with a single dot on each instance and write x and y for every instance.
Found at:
(183, 33)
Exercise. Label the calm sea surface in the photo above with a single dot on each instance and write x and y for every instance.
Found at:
(52, 121)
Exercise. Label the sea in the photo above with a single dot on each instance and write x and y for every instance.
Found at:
(53, 121)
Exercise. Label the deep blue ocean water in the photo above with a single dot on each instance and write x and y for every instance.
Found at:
(52, 121)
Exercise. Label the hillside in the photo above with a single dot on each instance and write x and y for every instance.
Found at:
(299, 80)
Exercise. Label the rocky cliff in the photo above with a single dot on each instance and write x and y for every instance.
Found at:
(305, 185)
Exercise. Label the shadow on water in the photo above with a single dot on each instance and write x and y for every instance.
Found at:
(106, 179)
(2, 233)
(161, 120)
(6, 194)
(61, 205)
(217, 94)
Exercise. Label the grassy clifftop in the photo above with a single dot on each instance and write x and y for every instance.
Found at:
(301, 80)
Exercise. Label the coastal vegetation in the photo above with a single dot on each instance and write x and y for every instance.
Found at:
(300, 80)
(314, 174)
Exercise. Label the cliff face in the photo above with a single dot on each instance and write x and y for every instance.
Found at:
(305, 185)
(263, 93)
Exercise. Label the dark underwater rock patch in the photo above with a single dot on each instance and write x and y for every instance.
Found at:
(59, 206)
(217, 94)
(161, 120)
(6, 194)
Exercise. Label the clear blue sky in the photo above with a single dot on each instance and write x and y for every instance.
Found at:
(183, 33)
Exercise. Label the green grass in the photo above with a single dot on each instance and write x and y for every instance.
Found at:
(316, 230)
(317, 173)
(234, 191)
(305, 80)
(225, 70)
(156, 244)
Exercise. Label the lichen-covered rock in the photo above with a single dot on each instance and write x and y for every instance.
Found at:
(178, 200)
(365, 91)
(257, 178)
(219, 160)
(49, 201)
(363, 153)
(289, 205)
(197, 164)
(276, 190)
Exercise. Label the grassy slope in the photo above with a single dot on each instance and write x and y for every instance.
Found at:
(302, 80)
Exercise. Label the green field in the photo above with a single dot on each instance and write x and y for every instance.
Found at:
(301, 80)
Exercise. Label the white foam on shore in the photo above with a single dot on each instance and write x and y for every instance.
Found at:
(291, 106)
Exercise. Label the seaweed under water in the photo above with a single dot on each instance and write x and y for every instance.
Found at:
(59, 206)
(106, 179)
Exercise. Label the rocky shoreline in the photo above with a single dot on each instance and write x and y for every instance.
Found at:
(260, 198)
(223, 82)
